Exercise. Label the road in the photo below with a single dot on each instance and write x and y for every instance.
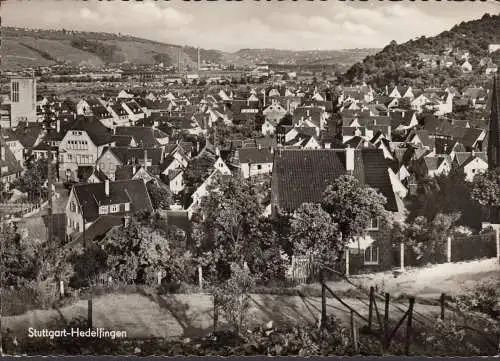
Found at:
(190, 315)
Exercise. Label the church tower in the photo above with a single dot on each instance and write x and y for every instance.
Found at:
(494, 128)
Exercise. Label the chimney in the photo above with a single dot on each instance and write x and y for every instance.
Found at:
(328, 145)
(349, 159)
(217, 151)
(58, 126)
(2, 152)
(134, 169)
(106, 187)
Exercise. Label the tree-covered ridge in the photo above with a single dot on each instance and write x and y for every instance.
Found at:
(400, 62)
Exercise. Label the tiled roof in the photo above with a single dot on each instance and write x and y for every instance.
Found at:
(255, 155)
(301, 176)
(122, 140)
(371, 168)
(102, 225)
(10, 162)
(144, 136)
(26, 133)
(129, 155)
(91, 195)
(97, 132)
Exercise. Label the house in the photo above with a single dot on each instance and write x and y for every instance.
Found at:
(470, 163)
(301, 176)
(175, 180)
(312, 117)
(433, 166)
(466, 66)
(87, 203)
(269, 127)
(134, 111)
(402, 92)
(10, 167)
(119, 115)
(403, 120)
(146, 137)
(255, 161)
(274, 111)
(82, 145)
(114, 157)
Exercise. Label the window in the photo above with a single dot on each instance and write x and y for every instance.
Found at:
(103, 210)
(114, 208)
(70, 158)
(73, 207)
(373, 224)
(371, 255)
(127, 207)
(259, 166)
(15, 92)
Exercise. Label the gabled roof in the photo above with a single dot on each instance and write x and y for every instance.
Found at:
(91, 195)
(371, 169)
(97, 132)
(26, 133)
(144, 136)
(255, 155)
(131, 155)
(303, 175)
(10, 162)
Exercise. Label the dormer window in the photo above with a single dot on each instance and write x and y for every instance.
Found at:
(114, 208)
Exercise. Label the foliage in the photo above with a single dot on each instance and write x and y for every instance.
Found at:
(389, 65)
(315, 234)
(198, 169)
(428, 237)
(482, 298)
(33, 180)
(108, 53)
(136, 253)
(232, 297)
(228, 230)
(486, 188)
(161, 197)
(447, 194)
(352, 206)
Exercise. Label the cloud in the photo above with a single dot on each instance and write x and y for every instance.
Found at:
(232, 26)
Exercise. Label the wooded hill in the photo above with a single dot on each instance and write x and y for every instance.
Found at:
(402, 63)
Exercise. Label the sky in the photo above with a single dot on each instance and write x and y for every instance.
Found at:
(233, 25)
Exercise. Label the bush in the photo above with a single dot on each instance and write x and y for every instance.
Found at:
(483, 298)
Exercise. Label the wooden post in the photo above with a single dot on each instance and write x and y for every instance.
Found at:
(89, 313)
(347, 262)
(386, 321)
(354, 333)
(216, 314)
(441, 301)
(408, 327)
(402, 256)
(323, 301)
(200, 277)
(370, 308)
(448, 251)
(497, 236)
(61, 288)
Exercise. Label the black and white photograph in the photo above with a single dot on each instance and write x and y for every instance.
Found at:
(249, 178)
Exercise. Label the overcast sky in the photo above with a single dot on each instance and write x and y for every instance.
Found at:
(230, 25)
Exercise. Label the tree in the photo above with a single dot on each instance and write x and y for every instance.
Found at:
(486, 192)
(198, 169)
(228, 230)
(161, 197)
(136, 253)
(315, 234)
(33, 180)
(352, 206)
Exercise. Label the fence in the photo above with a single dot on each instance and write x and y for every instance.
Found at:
(453, 249)
(384, 323)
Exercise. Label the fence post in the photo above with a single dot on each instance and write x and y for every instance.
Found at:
(497, 236)
(370, 309)
(408, 326)
(159, 277)
(441, 302)
(89, 313)
(216, 314)
(323, 301)
(386, 321)
(354, 333)
(61, 288)
(347, 262)
(402, 256)
(448, 250)
(200, 277)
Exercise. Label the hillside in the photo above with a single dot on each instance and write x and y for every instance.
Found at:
(23, 48)
(27, 48)
(403, 63)
(342, 58)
